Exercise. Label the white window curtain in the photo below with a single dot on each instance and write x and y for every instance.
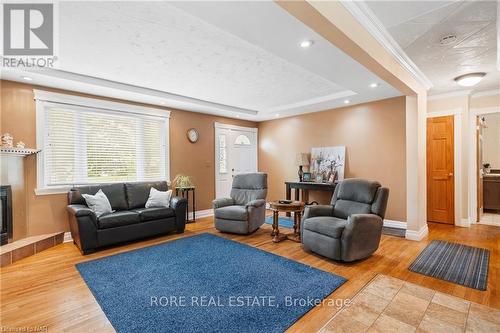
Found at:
(86, 145)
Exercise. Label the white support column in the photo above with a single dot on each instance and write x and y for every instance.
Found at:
(416, 173)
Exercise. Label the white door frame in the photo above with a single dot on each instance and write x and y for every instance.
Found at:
(457, 158)
(223, 126)
(474, 112)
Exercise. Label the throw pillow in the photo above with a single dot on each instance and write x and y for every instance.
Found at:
(98, 203)
(158, 198)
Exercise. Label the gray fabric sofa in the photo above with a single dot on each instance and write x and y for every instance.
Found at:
(351, 226)
(245, 211)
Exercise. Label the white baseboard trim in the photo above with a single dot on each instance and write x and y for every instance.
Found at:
(394, 224)
(202, 213)
(463, 223)
(67, 237)
(417, 235)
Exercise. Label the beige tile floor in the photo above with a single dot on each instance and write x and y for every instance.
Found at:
(490, 219)
(387, 304)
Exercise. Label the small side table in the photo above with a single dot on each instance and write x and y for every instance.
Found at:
(295, 207)
(185, 194)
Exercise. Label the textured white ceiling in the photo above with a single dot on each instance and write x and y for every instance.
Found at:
(230, 58)
(426, 22)
(162, 47)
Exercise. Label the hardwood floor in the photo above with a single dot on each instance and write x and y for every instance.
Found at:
(46, 289)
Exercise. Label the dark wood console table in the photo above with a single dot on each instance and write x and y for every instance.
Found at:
(306, 187)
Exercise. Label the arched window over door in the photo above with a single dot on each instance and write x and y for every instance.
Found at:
(242, 139)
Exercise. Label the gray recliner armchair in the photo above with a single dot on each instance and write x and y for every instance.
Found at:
(351, 226)
(245, 211)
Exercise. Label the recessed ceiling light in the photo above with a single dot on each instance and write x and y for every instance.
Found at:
(237, 116)
(27, 78)
(306, 43)
(373, 85)
(277, 115)
(469, 80)
(346, 101)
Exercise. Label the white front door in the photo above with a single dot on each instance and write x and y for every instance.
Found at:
(235, 152)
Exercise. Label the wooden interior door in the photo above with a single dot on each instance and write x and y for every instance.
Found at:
(440, 170)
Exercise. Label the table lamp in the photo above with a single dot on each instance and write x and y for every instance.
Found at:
(302, 159)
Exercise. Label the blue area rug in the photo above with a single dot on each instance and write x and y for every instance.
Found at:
(286, 222)
(458, 263)
(204, 283)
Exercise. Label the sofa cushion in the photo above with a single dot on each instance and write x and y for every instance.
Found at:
(118, 219)
(238, 213)
(326, 225)
(114, 192)
(98, 203)
(156, 213)
(138, 193)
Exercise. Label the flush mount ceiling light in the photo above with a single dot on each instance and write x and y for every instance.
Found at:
(27, 78)
(469, 80)
(277, 115)
(373, 85)
(346, 101)
(306, 43)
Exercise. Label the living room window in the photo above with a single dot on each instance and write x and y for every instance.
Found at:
(88, 141)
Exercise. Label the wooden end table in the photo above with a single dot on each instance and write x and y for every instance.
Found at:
(295, 207)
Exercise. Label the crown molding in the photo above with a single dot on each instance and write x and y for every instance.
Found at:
(365, 16)
(54, 78)
(485, 93)
(450, 95)
(312, 101)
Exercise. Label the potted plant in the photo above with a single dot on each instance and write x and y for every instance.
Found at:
(182, 181)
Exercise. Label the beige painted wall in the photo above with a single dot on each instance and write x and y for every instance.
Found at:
(374, 136)
(491, 140)
(47, 213)
(485, 101)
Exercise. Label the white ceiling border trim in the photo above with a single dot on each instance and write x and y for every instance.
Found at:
(305, 103)
(69, 99)
(370, 22)
(485, 93)
(86, 84)
(449, 95)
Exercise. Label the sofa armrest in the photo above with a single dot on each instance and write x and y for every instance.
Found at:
(179, 205)
(83, 227)
(81, 211)
(222, 202)
(256, 203)
(361, 236)
(317, 210)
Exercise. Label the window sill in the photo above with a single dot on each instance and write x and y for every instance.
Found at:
(52, 190)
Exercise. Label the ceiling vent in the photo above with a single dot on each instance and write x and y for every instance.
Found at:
(448, 40)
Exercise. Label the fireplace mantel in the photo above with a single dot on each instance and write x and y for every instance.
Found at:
(18, 151)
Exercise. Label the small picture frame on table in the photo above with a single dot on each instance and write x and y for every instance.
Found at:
(306, 177)
(319, 178)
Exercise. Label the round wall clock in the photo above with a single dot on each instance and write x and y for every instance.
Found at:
(193, 135)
